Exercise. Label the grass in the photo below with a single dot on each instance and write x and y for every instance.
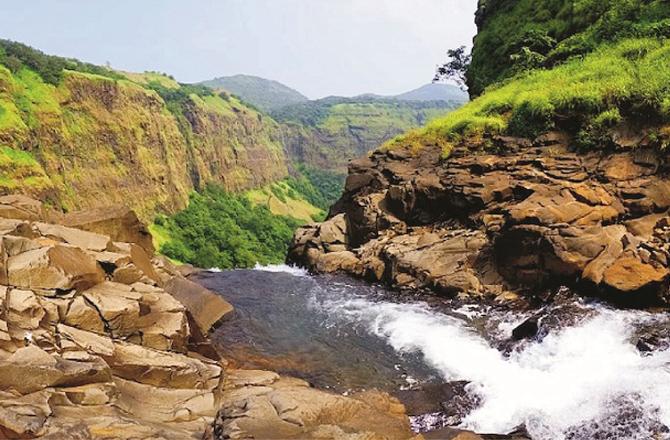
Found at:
(282, 200)
(19, 169)
(574, 27)
(146, 78)
(626, 80)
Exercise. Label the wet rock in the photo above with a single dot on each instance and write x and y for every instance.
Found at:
(451, 434)
(206, 307)
(526, 330)
(446, 398)
(272, 407)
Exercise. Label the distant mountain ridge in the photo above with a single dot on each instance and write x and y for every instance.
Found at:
(263, 93)
(427, 92)
(434, 92)
(270, 96)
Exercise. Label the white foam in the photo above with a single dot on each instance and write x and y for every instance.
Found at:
(283, 268)
(570, 378)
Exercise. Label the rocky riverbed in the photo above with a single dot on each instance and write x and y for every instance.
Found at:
(101, 340)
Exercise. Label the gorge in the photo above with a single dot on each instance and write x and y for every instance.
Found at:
(231, 260)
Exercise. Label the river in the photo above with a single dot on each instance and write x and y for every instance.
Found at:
(581, 377)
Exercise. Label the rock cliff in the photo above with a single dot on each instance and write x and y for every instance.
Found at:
(98, 340)
(518, 217)
(93, 141)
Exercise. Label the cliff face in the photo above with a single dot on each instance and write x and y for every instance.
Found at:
(94, 141)
(328, 133)
(481, 224)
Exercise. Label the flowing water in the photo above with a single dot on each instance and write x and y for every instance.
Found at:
(582, 377)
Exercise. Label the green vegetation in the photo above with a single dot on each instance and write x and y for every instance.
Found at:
(525, 34)
(223, 230)
(20, 169)
(49, 67)
(329, 132)
(628, 80)
(321, 188)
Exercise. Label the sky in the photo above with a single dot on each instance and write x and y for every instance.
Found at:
(318, 47)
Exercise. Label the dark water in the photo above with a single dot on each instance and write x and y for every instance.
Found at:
(583, 377)
(281, 323)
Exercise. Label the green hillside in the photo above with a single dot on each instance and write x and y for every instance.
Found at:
(78, 135)
(329, 132)
(515, 35)
(604, 74)
(260, 92)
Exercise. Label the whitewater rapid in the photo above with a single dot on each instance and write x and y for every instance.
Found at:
(576, 383)
(582, 379)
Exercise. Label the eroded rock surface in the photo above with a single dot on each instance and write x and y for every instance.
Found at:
(99, 341)
(486, 221)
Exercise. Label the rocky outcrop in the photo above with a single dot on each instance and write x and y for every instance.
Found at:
(99, 341)
(261, 404)
(516, 215)
(84, 354)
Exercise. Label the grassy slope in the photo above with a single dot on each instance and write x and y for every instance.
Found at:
(619, 77)
(577, 26)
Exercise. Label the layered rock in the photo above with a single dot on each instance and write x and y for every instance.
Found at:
(86, 354)
(489, 220)
(99, 341)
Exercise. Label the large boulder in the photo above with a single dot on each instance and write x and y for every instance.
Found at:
(54, 267)
(537, 214)
(206, 307)
(20, 207)
(118, 222)
(257, 404)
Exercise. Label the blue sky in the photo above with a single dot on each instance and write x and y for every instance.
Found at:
(319, 47)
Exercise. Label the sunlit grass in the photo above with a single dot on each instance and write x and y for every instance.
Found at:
(630, 79)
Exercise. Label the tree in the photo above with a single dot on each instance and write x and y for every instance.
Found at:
(456, 68)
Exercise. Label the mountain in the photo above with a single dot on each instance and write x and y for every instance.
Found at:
(327, 133)
(263, 93)
(76, 136)
(434, 92)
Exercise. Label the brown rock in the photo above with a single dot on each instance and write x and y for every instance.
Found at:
(629, 274)
(206, 307)
(75, 237)
(118, 306)
(32, 369)
(83, 315)
(57, 267)
(23, 309)
(20, 207)
(163, 369)
(278, 408)
(338, 261)
(118, 222)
